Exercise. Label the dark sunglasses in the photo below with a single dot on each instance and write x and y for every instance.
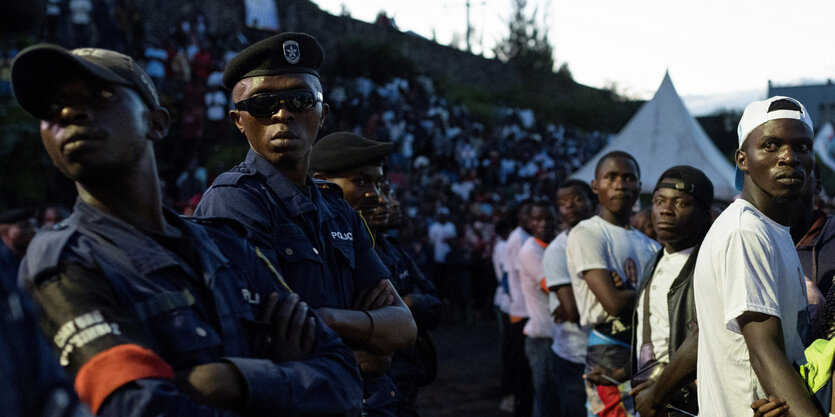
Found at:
(267, 104)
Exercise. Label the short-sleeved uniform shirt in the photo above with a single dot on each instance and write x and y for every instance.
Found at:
(124, 309)
(747, 262)
(595, 243)
(320, 242)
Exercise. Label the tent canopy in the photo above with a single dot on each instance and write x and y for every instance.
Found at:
(663, 134)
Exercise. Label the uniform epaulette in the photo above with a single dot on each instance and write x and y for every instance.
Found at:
(234, 175)
(325, 186)
(44, 252)
(221, 223)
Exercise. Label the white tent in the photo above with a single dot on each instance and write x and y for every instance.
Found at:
(663, 134)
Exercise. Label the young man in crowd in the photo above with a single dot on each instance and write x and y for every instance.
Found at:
(150, 313)
(538, 330)
(665, 331)
(749, 287)
(597, 248)
(576, 203)
(354, 164)
(522, 383)
(319, 241)
(501, 302)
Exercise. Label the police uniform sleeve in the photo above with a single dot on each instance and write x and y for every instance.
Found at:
(426, 306)
(245, 206)
(327, 382)
(37, 386)
(99, 341)
(369, 268)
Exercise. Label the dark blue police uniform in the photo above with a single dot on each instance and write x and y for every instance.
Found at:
(320, 242)
(9, 264)
(33, 383)
(414, 367)
(122, 303)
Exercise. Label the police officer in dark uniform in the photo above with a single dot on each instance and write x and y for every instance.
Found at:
(320, 242)
(17, 227)
(355, 164)
(151, 313)
(34, 384)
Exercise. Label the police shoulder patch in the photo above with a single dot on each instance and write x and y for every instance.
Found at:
(234, 175)
(221, 223)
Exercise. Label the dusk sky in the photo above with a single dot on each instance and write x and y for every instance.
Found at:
(719, 53)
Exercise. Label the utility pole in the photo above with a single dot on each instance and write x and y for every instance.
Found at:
(469, 28)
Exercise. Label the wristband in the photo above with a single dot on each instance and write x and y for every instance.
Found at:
(370, 326)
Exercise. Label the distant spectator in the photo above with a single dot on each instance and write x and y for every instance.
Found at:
(80, 21)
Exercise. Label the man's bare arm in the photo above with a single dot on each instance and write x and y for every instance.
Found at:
(681, 369)
(764, 337)
(568, 305)
(618, 303)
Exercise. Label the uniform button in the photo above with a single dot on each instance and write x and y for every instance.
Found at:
(288, 251)
(200, 332)
(660, 271)
(315, 251)
(393, 394)
(653, 287)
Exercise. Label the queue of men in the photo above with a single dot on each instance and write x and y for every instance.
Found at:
(286, 295)
(716, 319)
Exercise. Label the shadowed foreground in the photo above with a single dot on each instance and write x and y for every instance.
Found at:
(468, 371)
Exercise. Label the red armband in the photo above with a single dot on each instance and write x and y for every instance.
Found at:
(109, 370)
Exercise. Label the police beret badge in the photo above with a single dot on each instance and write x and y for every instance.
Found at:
(292, 53)
(285, 53)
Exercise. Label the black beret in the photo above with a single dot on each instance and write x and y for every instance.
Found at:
(692, 181)
(343, 150)
(285, 53)
(16, 215)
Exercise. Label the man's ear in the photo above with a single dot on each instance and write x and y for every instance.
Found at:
(160, 120)
(235, 117)
(594, 186)
(741, 160)
(325, 109)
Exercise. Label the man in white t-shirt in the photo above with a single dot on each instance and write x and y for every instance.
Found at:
(596, 248)
(665, 334)
(749, 288)
(539, 332)
(523, 388)
(501, 300)
(576, 202)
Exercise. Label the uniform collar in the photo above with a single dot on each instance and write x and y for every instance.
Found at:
(288, 193)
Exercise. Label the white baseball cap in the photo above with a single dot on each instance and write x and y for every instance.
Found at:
(757, 113)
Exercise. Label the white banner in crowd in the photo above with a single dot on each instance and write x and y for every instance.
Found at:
(824, 147)
(261, 14)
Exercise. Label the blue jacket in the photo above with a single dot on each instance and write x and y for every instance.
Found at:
(120, 305)
(408, 366)
(9, 265)
(319, 241)
(33, 383)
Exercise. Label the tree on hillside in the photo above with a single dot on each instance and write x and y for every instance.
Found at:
(526, 46)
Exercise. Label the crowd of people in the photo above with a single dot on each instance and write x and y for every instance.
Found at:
(307, 278)
(739, 301)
